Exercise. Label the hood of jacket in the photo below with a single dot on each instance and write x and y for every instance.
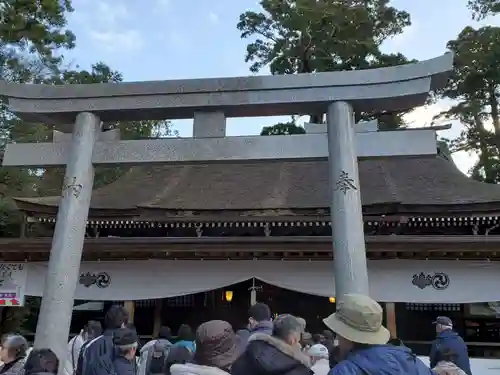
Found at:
(447, 335)
(263, 327)
(270, 355)
(384, 360)
(193, 369)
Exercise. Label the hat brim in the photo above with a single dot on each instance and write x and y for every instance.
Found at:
(381, 337)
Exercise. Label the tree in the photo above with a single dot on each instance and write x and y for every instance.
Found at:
(283, 128)
(31, 31)
(306, 36)
(483, 8)
(474, 87)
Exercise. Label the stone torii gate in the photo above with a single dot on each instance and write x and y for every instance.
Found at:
(210, 102)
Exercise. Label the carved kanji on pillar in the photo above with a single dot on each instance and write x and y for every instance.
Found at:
(345, 183)
(71, 185)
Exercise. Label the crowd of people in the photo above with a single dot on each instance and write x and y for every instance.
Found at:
(354, 343)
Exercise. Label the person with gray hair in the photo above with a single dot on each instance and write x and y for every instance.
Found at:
(13, 354)
(278, 353)
(125, 341)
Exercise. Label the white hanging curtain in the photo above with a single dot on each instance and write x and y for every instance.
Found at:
(390, 280)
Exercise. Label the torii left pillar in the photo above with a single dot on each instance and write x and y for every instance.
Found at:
(54, 320)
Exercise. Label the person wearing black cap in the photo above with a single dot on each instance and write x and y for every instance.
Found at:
(449, 340)
(125, 341)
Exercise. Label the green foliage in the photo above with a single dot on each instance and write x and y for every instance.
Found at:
(33, 35)
(305, 36)
(30, 33)
(283, 128)
(474, 87)
(483, 8)
(34, 27)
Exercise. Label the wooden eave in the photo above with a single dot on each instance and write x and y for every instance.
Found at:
(288, 221)
(391, 213)
(287, 248)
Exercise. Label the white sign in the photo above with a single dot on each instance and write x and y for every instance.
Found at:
(13, 278)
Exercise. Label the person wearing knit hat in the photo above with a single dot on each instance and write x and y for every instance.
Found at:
(125, 341)
(362, 341)
(319, 359)
(217, 347)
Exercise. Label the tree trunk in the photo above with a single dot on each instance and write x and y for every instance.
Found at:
(485, 155)
(305, 67)
(493, 102)
(494, 109)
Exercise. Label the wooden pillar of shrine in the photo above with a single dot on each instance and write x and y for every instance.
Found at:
(130, 307)
(390, 318)
(157, 317)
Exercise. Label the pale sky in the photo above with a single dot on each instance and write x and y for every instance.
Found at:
(172, 39)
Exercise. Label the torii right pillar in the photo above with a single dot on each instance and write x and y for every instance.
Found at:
(350, 266)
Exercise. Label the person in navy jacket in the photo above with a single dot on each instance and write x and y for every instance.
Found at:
(449, 340)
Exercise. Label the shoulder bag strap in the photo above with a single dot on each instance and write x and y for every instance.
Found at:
(73, 352)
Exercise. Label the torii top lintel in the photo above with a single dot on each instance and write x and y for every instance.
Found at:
(391, 88)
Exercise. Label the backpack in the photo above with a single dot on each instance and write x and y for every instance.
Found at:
(157, 359)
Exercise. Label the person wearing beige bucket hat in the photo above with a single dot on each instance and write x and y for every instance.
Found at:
(362, 341)
(359, 319)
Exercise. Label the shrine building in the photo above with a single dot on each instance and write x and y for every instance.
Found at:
(183, 244)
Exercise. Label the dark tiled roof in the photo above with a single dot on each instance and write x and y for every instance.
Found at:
(427, 184)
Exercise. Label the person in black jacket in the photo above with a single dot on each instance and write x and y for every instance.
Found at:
(96, 356)
(276, 354)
